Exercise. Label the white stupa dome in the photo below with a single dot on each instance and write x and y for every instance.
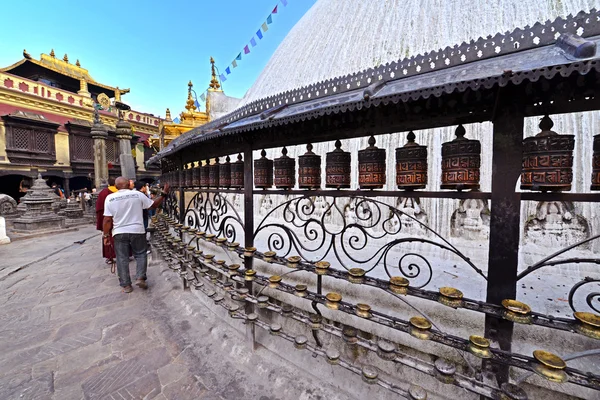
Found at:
(338, 37)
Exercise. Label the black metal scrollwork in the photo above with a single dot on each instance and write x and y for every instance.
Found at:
(592, 299)
(362, 232)
(213, 213)
(171, 206)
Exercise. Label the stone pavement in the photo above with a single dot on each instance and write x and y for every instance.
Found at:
(68, 332)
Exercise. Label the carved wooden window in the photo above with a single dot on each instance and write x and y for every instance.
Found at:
(30, 142)
(83, 148)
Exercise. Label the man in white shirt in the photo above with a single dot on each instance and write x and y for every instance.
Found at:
(123, 214)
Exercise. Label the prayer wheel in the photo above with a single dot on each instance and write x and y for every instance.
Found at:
(309, 169)
(188, 177)
(337, 168)
(371, 166)
(204, 174)
(461, 159)
(596, 164)
(411, 165)
(196, 176)
(225, 173)
(547, 160)
(237, 174)
(263, 171)
(213, 174)
(176, 178)
(285, 171)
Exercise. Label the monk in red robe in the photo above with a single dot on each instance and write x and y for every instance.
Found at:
(108, 251)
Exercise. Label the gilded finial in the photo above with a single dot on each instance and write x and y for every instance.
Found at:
(168, 116)
(26, 54)
(77, 63)
(190, 104)
(52, 53)
(66, 58)
(214, 82)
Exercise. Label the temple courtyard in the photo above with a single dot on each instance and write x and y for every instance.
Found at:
(68, 332)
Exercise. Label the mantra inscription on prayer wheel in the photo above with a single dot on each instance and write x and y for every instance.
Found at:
(225, 173)
(188, 177)
(411, 165)
(596, 164)
(204, 174)
(196, 176)
(309, 169)
(371, 166)
(237, 173)
(547, 160)
(285, 171)
(461, 159)
(263, 171)
(337, 168)
(213, 174)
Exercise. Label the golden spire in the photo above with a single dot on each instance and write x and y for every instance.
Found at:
(189, 104)
(52, 53)
(66, 58)
(77, 63)
(168, 116)
(214, 82)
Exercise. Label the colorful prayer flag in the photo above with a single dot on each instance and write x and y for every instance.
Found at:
(223, 79)
(274, 10)
(265, 27)
(197, 104)
(176, 120)
(253, 42)
(270, 19)
(234, 63)
(259, 34)
(239, 57)
(284, 2)
(228, 70)
(246, 49)
(203, 95)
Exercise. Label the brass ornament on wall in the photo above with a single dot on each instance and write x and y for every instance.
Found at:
(263, 171)
(547, 160)
(371, 166)
(285, 171)
(461, 160)
(411, 165)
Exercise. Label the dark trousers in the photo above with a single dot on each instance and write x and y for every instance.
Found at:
(139, 246)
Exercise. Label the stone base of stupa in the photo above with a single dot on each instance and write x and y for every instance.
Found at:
(39, 223)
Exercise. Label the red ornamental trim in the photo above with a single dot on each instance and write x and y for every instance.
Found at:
(137, 118)
(35, 89)
(130, 116)
(59, 96)
(71, 99)
(8, 83)
(23, 87)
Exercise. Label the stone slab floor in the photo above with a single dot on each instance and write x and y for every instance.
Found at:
(68, 332)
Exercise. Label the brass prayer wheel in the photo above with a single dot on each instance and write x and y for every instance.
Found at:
(176, 179)
(237, 174)
(309, 169)
(196, 176)
(596, 164)
(188, 177)
(263, 171)
(285, 171)
(204, 174)
(547, 160)
(225, 173)
(337, 168)
(213, 174)
(371, 166)
(411, 165)
(461, 159)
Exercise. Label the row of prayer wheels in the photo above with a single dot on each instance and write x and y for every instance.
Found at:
(547, 166)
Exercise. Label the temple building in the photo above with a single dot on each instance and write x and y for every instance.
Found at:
(217, 104)
(46, 113)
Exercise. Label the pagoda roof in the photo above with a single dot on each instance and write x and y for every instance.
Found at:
(61, 67)
(479, 65)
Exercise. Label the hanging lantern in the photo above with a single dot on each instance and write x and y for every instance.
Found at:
(237, 173)
(213, 174)
(371, 166)
(196, 176)
(309, 169)
(263, 171)
(337, 168)
(285, 171)
(225, 174)
(411, 165)
(204, 174)
(547, 160)
(461, 159)
(596, 164)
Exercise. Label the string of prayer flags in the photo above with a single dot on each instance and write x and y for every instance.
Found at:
(253, 42)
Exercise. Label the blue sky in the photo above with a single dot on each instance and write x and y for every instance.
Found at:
(153, 47)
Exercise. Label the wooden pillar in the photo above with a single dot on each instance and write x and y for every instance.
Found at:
(504, 222)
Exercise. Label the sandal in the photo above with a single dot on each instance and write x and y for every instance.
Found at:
(128, 289)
